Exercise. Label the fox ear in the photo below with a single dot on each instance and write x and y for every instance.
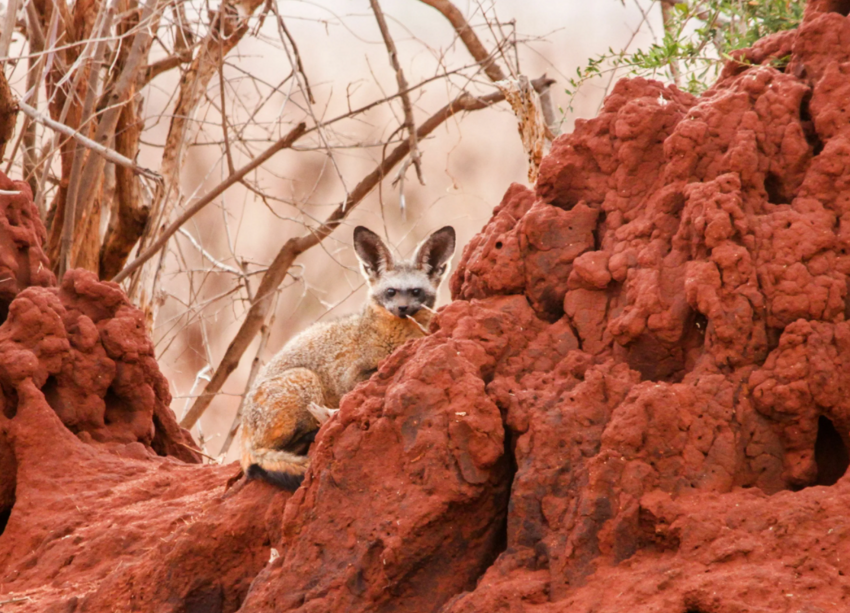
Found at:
(375, 258)
(434, 253)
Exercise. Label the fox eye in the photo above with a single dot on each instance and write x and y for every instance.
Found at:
(416, 292)
(391, 292)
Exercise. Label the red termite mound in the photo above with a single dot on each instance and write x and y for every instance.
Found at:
(638, 401)
(640, 398)
(96, 477)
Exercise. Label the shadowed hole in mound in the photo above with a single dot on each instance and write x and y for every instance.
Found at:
(501, 542)
(838, 6)
(8, 482)
(50, 389)
(773, 336)
(809, 126)
(160, 437)
(657, 361)
(5, 513)
(206, 597)
(599, 231)
(830, 453)
(118, 410)
(846, 300)
(774, 188)
(654, 360)
(4, 311)
(9, 402)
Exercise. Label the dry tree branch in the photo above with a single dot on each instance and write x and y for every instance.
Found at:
(228, 155)
(128, 212)
(134, 33)
(296, 246)
(183, 44)
(265, 331)
(8, 112)
(409, 124)
(284, 143)
(548, 111)
(8, 27)
(298, 65)
(57, 75)
(118, 96)
(227, 29)
(469, 38)
(166, 64)
(108, 154)
(34, 72)
(69, 222)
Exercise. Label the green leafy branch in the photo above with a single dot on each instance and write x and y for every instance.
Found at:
(698, 38)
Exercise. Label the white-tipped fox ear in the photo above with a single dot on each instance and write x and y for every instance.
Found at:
(434, 253)
(375, 258)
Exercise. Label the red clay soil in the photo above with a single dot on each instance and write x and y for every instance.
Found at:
(638, 401)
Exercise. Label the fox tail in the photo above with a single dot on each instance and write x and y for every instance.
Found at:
(281, 468)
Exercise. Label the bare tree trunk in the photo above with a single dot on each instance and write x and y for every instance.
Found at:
(128, 215)
(8, 113)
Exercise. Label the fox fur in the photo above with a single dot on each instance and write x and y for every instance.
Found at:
(301, 386)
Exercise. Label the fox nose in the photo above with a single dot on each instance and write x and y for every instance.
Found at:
(406, 310)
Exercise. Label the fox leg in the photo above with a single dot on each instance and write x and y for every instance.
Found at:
(278, 427)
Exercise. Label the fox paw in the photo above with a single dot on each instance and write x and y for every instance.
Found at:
(320, 413)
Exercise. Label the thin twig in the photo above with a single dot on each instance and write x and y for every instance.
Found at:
(409, 124)
(255, 368)
(107, 153)
(468, 37)
(420, 326)
(298, 65)
(284, 143)
(190, 448)
(208, 255)
(644, 19)
(667, 9)
(230, 167)
(320, 126)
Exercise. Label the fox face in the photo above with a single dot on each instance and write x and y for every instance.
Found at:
(404, 287)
